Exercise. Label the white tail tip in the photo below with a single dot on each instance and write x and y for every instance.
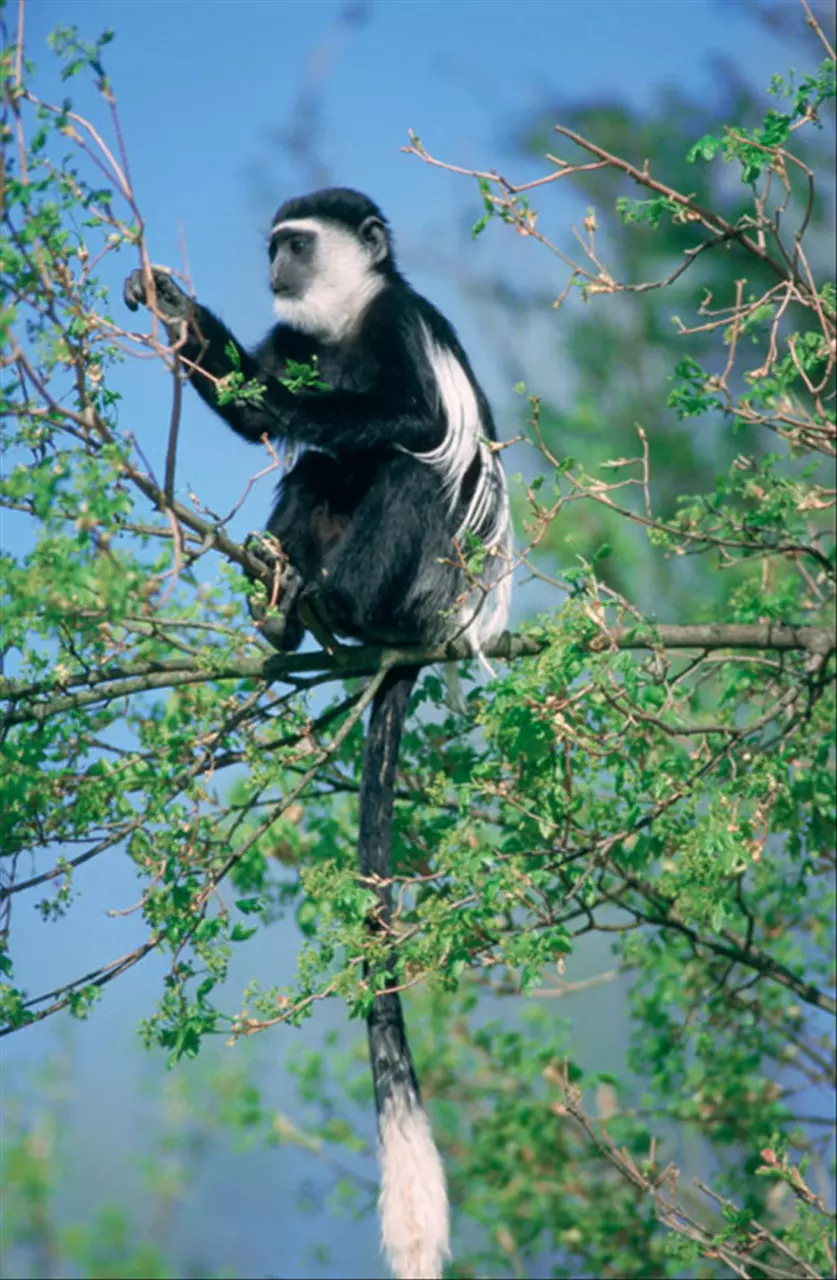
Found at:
(414, 1200)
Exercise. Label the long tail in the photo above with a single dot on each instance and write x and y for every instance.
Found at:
(413, 1203)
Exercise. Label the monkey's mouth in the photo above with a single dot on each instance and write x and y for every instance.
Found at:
(283, 287)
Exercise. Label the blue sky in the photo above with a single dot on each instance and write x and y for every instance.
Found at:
(203, 89)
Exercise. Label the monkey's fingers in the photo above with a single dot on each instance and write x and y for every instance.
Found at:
(133, 291)
(172, 302)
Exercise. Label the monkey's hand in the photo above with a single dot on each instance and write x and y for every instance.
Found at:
(173, 304)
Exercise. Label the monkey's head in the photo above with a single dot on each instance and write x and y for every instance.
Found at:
(330, 254)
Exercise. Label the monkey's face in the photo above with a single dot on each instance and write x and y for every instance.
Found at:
(293, 254)
(324, 274)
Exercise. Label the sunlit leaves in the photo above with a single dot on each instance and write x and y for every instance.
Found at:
(681, 800)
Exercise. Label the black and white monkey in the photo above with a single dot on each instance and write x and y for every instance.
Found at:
(396, 468)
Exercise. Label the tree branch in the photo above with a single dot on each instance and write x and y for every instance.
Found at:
(362, 660)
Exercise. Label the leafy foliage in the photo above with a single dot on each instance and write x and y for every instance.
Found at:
(669, 785)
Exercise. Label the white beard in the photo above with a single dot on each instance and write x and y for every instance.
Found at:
(342, 289)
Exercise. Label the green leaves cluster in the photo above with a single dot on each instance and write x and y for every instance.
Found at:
(756, 149)
(678, 804)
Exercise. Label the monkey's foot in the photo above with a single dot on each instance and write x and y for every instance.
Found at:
(319, 622)
(284, 631)
(279, 623)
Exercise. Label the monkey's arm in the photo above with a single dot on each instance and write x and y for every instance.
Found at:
(332, 420)
(343, 421)
(205, 349)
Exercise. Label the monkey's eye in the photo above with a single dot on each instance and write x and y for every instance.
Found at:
(297, 245)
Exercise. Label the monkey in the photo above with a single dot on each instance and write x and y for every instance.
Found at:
(398, 468)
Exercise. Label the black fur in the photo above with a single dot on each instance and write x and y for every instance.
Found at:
(381, 579)
(367, 525)
(389, 1052)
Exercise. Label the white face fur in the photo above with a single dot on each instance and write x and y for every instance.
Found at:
(343, 283)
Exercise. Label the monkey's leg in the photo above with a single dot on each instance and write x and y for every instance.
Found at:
(305, 524)
(277, 618)
(384, 581)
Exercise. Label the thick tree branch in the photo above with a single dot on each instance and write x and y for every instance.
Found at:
(130, 678)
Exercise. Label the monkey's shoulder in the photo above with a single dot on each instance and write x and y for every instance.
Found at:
(384, 354)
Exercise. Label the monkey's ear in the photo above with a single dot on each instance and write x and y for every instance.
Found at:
(373, 234)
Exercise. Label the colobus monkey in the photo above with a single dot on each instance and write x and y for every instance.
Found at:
(397, 469)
